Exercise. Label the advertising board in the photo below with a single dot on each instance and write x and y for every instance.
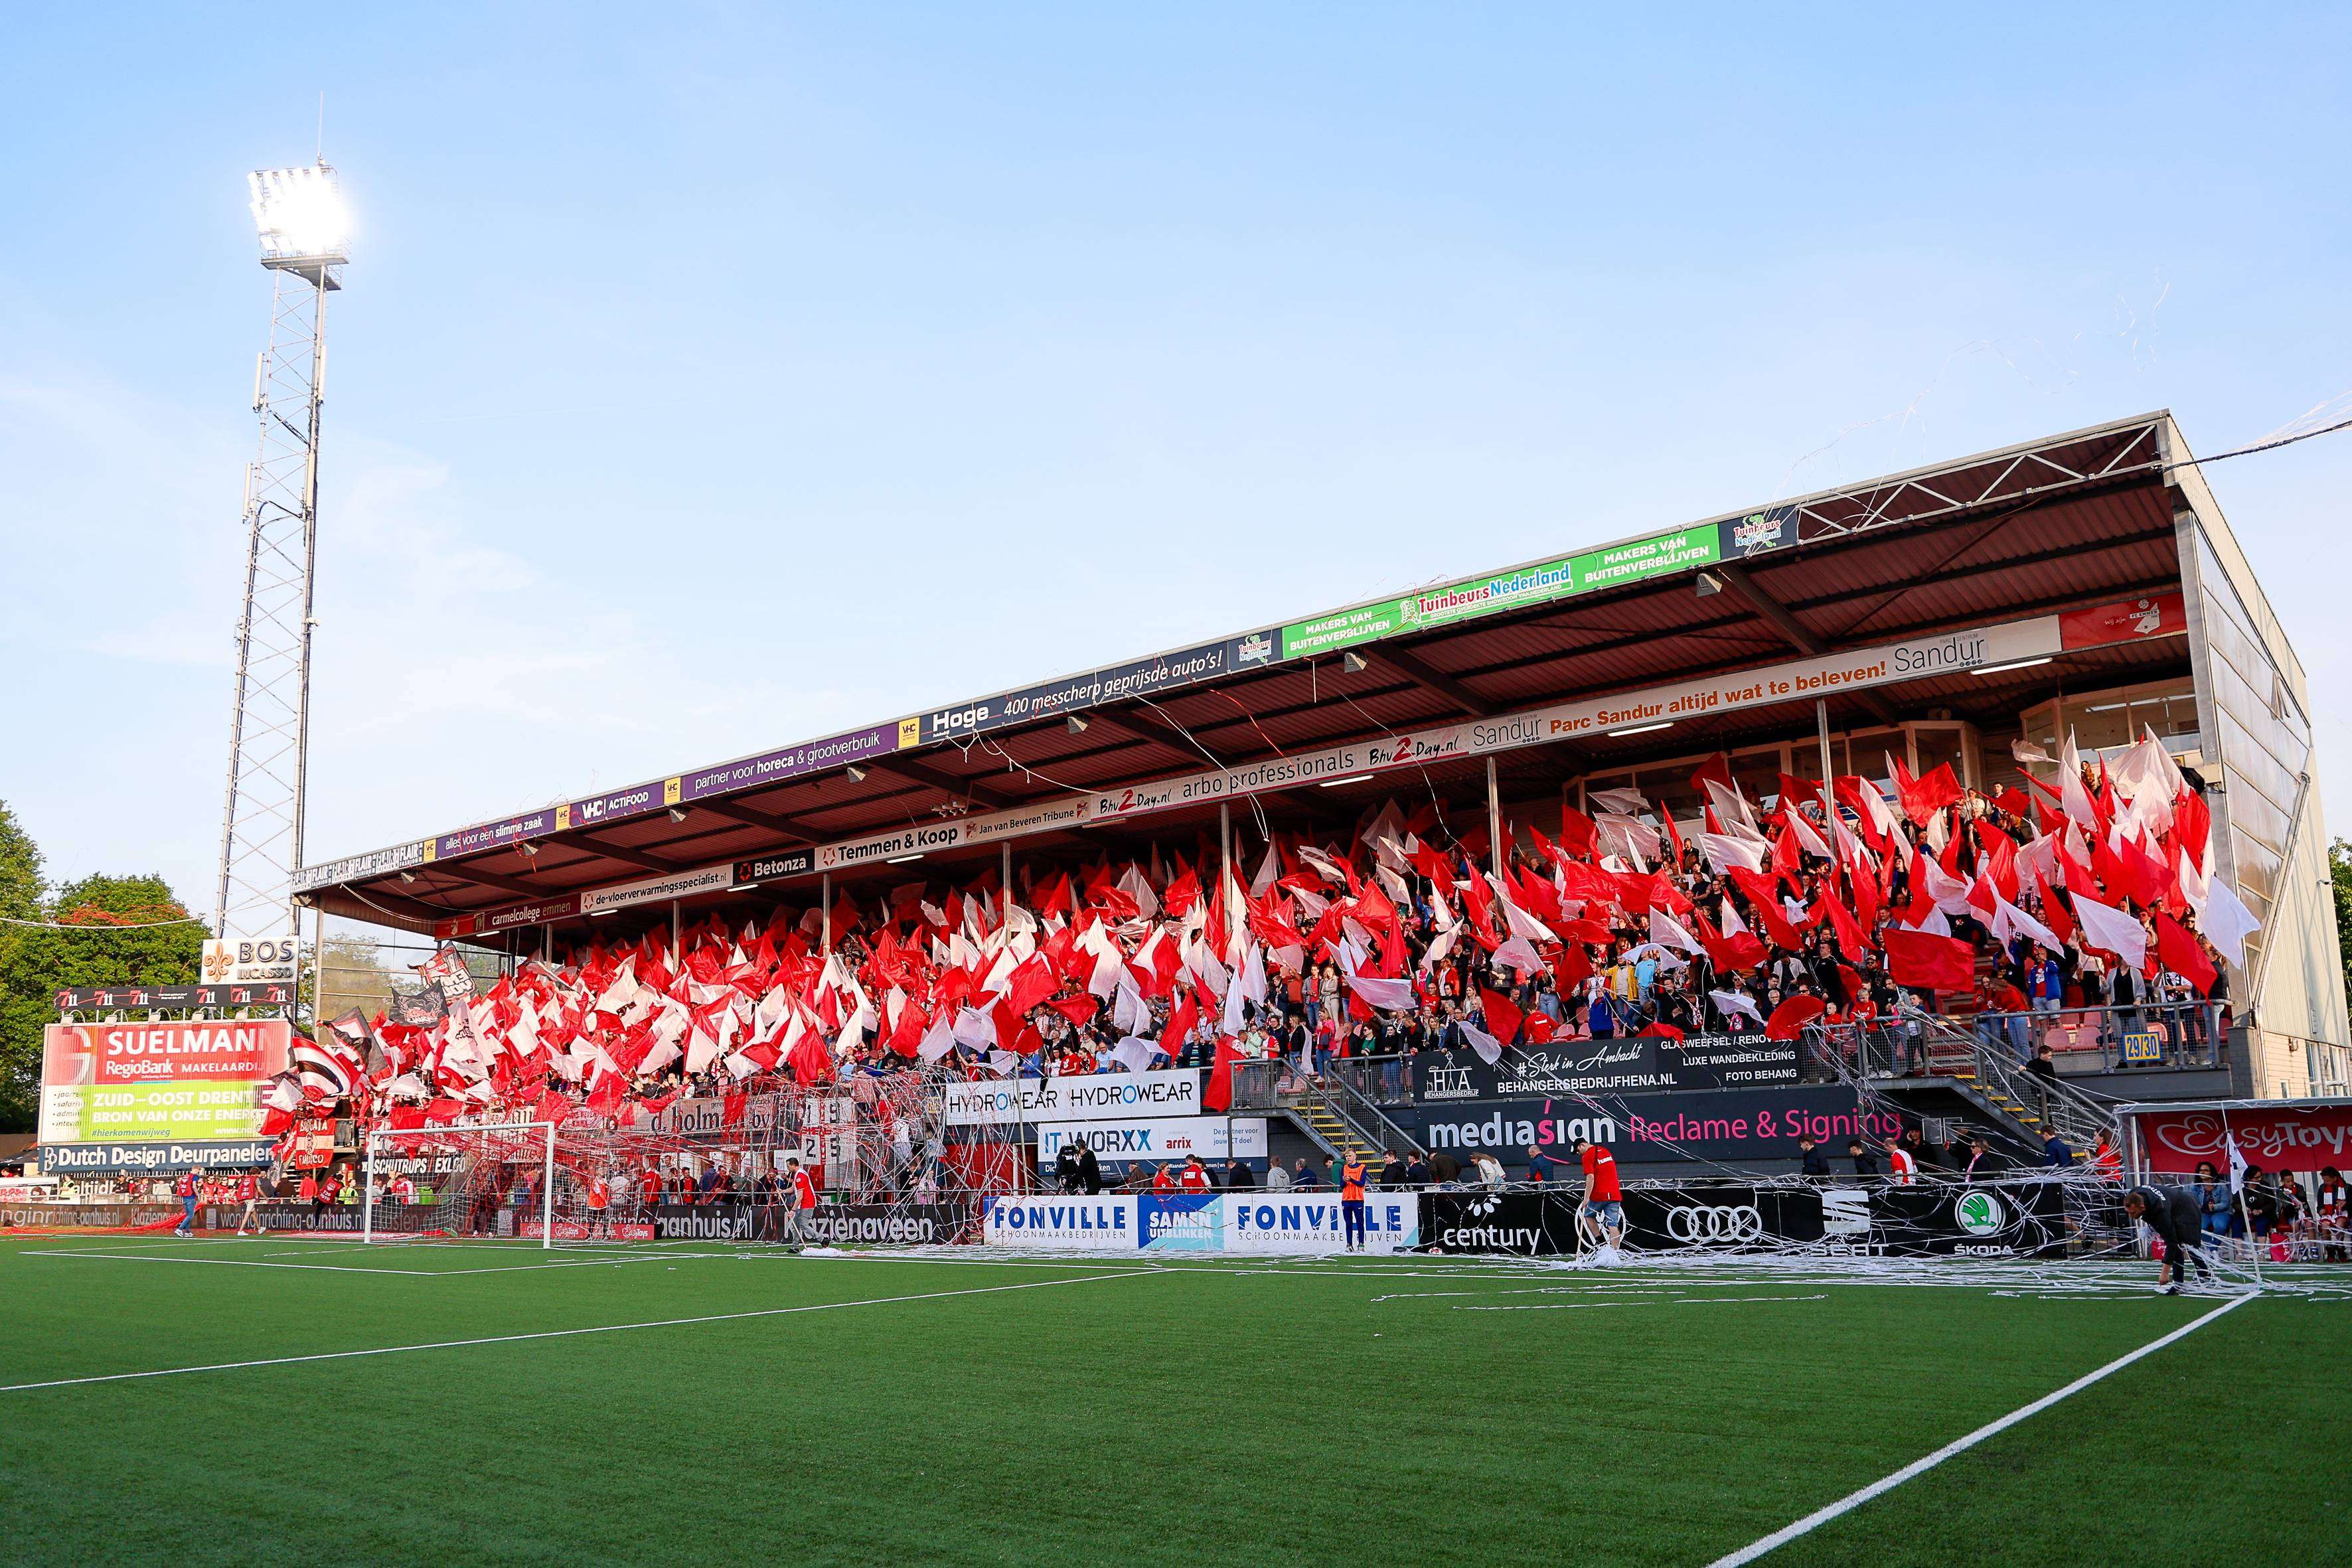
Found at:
(1079, 1097)
(157, 1081)
(1167, 1138)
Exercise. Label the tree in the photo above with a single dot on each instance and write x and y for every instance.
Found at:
(21, 1013)
(2339, 866)
(352, 973)
(101, 930)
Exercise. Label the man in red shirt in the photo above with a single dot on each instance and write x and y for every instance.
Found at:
(1195, 1178)
(600, 1198)
(649, 1192)
(1603, 1208)
(803, 1202)
(184, 1189)
(248, 1192)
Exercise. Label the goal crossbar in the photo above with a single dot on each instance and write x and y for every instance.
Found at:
(541, 1133)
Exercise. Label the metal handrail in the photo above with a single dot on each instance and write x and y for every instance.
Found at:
(1381, 1133)
(2179, 1050)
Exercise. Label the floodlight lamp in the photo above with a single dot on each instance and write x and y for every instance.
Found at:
(300, 214)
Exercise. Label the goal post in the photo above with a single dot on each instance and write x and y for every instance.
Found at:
(462, 1180)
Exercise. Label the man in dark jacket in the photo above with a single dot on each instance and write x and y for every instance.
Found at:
(1239, 1177)
(1090, 1180)
(1066, 1166)
(1443, 1167)
(2172, 1214)
(1391, 1174)
(1811, 1161)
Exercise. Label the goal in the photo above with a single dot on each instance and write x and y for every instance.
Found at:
(500, 1180)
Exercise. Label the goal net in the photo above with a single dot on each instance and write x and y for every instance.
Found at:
(469, 1181)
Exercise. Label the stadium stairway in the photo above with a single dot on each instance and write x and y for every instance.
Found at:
(1981, 1083)
(1344, 1124)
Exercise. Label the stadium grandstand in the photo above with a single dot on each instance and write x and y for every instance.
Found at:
(2080, 591)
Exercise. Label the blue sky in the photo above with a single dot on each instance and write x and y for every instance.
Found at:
(710, 377)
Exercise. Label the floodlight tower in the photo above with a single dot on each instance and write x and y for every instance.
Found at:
(300, 214)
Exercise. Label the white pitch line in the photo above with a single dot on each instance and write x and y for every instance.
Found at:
(1854, 1499)
(121, 1256)
(565, 1334)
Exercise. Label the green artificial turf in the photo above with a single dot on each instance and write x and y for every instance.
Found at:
(1103, 1411)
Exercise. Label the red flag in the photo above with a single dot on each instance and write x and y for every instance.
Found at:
(2055, 914)
(1793, 1015)
(733, 1107)
(1502, 1016)
(1929, 962)
(1180, 1019)
(2183, 955)
(1717, 767)
(1032, 983)
(1664, 1032)
(809, 1062)
(1080, 1009)
(1576, 832)
(1217, 1094)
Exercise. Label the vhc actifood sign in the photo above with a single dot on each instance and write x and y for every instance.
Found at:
(1081, 1097)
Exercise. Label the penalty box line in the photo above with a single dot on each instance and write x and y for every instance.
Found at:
(567, 1333)
(1854, 1499)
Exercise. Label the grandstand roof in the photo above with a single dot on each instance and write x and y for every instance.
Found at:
(2068, 522)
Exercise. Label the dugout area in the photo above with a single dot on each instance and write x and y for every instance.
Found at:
(917, 1408)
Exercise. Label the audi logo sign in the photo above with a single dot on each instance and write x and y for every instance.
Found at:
(1732, 1223)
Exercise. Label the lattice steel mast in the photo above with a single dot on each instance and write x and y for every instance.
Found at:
(300, 217)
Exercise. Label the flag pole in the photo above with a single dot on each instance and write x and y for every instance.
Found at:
(2238, 1190)
(547, 1195)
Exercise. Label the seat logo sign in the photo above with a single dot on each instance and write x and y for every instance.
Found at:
(1979, 1214)
(1693, 1224)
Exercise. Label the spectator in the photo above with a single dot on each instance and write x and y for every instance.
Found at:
(1303, 1178)
(1810, 1161)
(1391, 1175)
(1239, 1177)
(1865, 1163)
(1195, 1176)
(2056, 1154)
(2218, 1214)
(1416, 1170)
(1490, 1170)
(1277, 1177)
(1445, 1170)
(1540, 1164)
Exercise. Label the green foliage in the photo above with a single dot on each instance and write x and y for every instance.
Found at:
(35, 964)
(352, 973)
(2340, 867)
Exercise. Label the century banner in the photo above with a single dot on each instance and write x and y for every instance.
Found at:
(1077, 1097)
(1608, 1067)
(150, 1082)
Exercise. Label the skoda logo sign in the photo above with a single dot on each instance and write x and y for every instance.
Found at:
(1693, 1224)
(1979, 1214)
